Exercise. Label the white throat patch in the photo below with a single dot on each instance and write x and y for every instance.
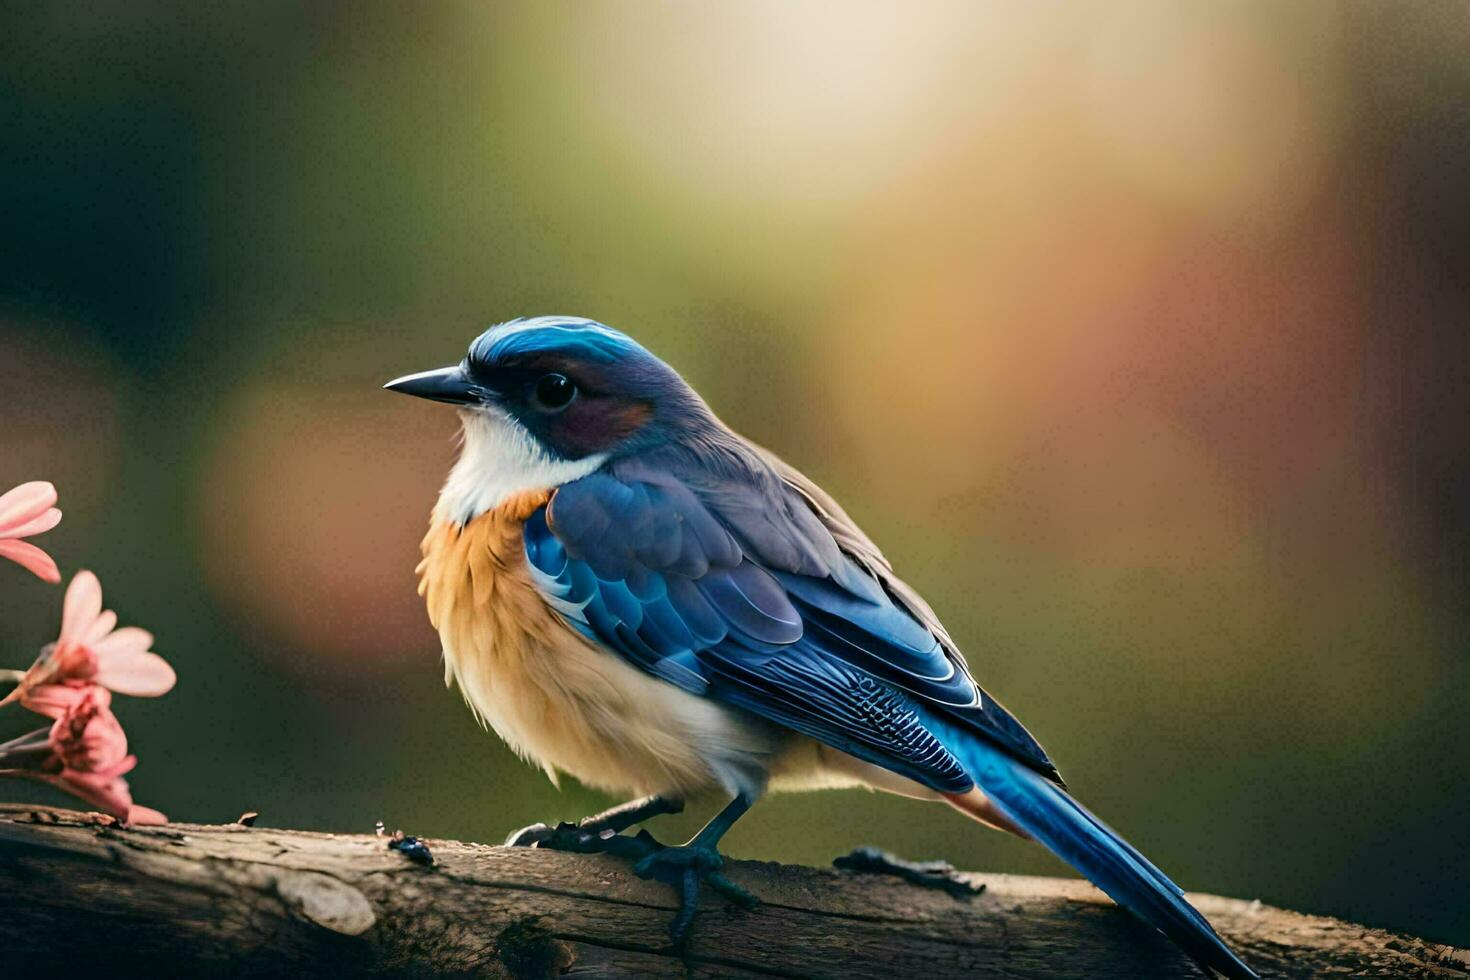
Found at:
(499, 459)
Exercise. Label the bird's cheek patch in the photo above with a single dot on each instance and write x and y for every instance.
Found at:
(593, 425)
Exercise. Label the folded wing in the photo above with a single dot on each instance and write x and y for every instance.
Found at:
(740, 586)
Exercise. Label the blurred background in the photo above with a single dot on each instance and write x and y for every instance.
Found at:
(1135, 333)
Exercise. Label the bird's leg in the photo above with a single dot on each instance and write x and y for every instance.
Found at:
(598, 826)
(685, 866)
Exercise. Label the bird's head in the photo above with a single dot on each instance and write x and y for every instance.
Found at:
(549, 399)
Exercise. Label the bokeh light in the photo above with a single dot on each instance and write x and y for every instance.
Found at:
(63, 412)
(307, 530)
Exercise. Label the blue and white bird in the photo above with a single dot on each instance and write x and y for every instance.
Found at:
(629, 592)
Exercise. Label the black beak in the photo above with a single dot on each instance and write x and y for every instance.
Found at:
(441, 385)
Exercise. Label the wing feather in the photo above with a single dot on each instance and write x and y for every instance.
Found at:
(754, 589)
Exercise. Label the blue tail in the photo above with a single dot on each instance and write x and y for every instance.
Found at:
(1071, 833)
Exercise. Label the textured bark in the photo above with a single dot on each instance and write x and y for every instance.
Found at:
(200, 901)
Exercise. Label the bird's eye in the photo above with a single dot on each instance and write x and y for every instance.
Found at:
(553, 392)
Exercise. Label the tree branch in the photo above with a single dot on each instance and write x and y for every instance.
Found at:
(212, 900)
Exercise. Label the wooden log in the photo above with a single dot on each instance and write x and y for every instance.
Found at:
(200, 901)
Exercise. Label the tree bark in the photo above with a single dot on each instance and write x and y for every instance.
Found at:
(198, 901)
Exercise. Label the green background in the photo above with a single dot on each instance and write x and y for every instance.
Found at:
(1134, 333)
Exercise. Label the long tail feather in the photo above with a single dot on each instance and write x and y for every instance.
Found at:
(1049, 814)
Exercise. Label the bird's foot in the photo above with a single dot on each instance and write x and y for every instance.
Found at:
(929, 874)
(538, 834)
(684, 868)
(563, 837)
(566, 836)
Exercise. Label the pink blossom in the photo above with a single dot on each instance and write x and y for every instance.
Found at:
(29, 509)
(91, 651)
(143, 816)
(84, 753)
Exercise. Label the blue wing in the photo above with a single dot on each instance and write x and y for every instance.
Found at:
(749, 586)
(739, 592)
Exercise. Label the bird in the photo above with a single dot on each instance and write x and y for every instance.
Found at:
(630, 593)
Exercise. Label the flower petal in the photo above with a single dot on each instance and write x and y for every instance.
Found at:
(81, 607)
(31, 558)
(24, 503)
(53, 700)
(101, 628)
(106, 792)
(120, 767)
(40, 524)
(128, 640)
(89, 738)
(143, 816)
(141, 675)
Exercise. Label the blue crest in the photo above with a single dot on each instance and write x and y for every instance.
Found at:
(571, 336)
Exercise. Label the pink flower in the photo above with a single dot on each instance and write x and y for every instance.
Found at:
(87, 736)
(90, 651)
(85, 752)
(24, 511)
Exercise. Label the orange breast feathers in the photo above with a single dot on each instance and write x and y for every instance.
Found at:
(554, 696)
(479, 566)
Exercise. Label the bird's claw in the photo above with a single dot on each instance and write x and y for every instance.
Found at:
(929, 874)
(563, 837)
(578, 839)
(658, 864)
(577, 836)
(683, 868)
(532, 835)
